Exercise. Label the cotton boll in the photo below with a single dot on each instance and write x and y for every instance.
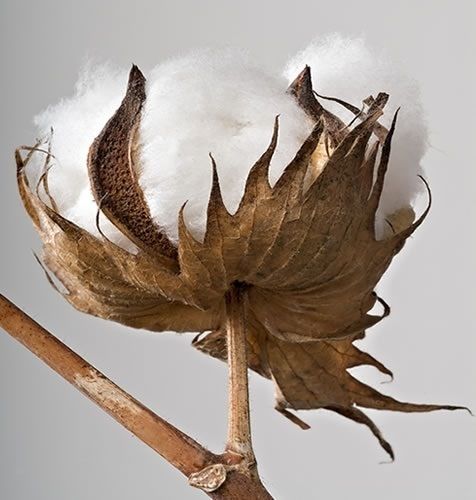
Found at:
(207, 102)
(214, 102)
(347, 69)
(219, 102)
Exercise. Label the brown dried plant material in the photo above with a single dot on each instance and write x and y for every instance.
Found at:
(304, 251)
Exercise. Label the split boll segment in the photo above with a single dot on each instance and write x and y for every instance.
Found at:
(304, 248)
(113, 174)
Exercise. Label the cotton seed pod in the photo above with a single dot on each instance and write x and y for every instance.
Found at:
(305, 250)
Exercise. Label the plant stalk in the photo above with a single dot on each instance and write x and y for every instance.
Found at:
(239, 429)
(177, 448)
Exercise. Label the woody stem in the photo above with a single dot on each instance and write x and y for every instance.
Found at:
(177, 448)
(239, 430)
(180, 450)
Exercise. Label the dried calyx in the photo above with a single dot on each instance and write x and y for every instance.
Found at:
(304, 251)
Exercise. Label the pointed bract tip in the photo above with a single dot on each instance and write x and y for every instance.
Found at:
(214, 163)
(305, 77)
(468, 410)
(215, 182)
(182, 208)
(395, 117)
(302, 83)
(306, 72)
(135, 75)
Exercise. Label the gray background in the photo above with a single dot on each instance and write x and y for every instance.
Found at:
(56, 445)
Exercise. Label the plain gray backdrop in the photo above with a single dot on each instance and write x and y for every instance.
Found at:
(56, 445)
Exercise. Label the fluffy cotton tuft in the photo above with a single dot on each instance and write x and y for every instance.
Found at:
(75, 123)
(219, 102)
(347, 69)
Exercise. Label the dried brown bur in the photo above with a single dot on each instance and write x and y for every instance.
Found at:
(304, 251)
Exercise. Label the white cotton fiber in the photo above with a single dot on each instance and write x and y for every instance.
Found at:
(346, 68)
(218, 103)
(76, 121)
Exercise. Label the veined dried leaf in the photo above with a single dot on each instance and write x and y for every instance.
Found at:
(314, 375)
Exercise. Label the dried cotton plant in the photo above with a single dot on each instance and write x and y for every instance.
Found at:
(271, 252)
